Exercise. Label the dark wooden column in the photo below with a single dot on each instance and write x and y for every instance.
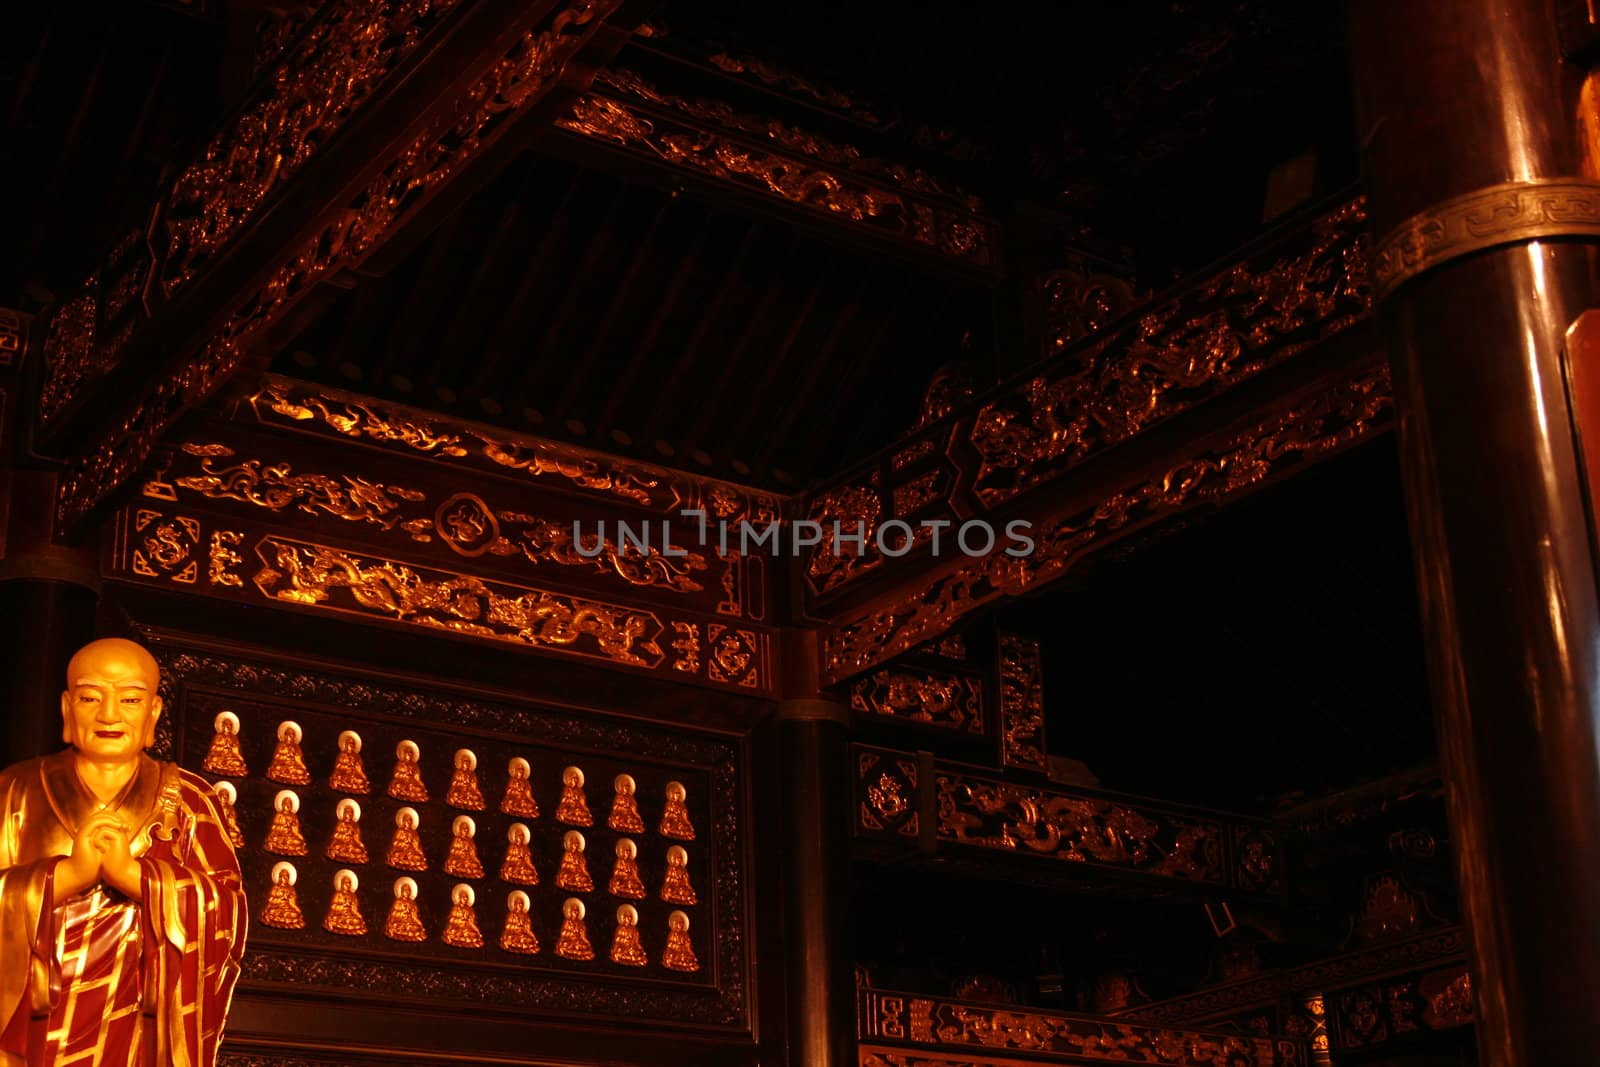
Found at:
(812, 738)
(1488, 227)
(48, 596)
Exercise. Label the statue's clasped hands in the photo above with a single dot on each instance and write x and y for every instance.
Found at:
(101, 852)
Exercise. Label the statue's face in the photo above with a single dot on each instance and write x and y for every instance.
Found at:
(110, 706)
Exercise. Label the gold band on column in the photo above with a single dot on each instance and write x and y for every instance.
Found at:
(1485, 218)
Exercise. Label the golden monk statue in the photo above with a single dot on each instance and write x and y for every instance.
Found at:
(122, 920)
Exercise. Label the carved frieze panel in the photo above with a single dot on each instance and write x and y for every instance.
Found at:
(167, 545)
(459, 519)
(1021, 704)
(1058, 825)
(952, 1027)
(364, 809)
(927, 697)
(1331, 419)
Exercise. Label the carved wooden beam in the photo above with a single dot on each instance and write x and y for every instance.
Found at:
(904, 1029)
(1055, 833)
(372, 111)
(1235, 379)
(815, 179)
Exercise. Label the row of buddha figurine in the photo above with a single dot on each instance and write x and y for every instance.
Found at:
(404, 923)
(288, 767)
(345, 845)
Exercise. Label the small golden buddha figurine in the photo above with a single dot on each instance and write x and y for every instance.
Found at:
(625, 817)
(288, 762)
(344, 910)
(675, 887)
(405, 851)
(675, 816)
(573, 941)
(283, 908)
(346, 845)
(626, 947)
(574, 807)
(228, 808)
(464, 792)
(224, 758)
(406, 784)
(461, 929)
(625, 880)
(574, 872)
(518, 935)
(405, 919)
(518, 799)
(283, 836)
(463, 859)
(349, 773)
(679, 953)
(518, 866)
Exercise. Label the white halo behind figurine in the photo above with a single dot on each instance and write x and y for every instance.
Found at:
(462, 888)
(517, 896)
(341, 874)
(351, 736)
(405, 883)
(518, 834)
(571, 836)
(519, 767)
(471, 757)
(408, 750)
(293, 798)
(284, 866)
(574, 904)
(624, 783)
(403, 814)
(227, 718)
(226, 791)
(289, 730)
(348, 805)
(464, 820)
(573, 775)
(628, 915)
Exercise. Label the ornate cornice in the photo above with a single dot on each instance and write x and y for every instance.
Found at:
(929, 1023)
(1503, 214)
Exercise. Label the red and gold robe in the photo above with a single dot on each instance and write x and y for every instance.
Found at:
(99, 980)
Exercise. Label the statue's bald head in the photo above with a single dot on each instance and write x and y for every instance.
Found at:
(114, 652)
(112, 701)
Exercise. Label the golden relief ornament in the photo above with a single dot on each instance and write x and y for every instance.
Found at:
(227, 807)
(305, 573)
(933, 698)
(282, 909)
(574, 873)
(517, 868)
(166, 547)
(1329, 420)
(349, 773)
(462, 860)
(678, 955)
(574, 806)
(405, 918)
(288, 765)
(573, 941)
(625, 817)
(464, 792)
(626, 947)
(405, 849)
(517, 936)
(224, 757)
(276, 487)
(675, 814)
(346, 846)
(886, 790)
(284, 836)
(1022, 704)
(461, 928)
(675, 887)
(518, 798)
(406, 782)
(224, 557)
(344, 910)
(625, 880)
